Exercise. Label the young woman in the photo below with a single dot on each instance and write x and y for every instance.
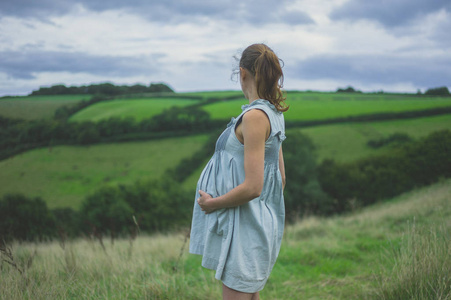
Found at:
(239, 213)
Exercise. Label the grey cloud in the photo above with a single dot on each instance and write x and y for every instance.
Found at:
(390, 13)
(24, 65)
(295, 18)
(376, 69)
(442, 35)
(35, 9)
(263, 11)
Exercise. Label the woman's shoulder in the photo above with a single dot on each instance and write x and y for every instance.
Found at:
(262, 104)
(255, 115)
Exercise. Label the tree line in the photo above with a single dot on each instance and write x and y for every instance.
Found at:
(19, 135)
(108, 89)
(436, 91)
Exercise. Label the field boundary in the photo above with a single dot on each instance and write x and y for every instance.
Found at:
(373, 117)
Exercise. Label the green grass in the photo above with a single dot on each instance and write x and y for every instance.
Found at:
(214, 94)
(36, 107)
(138, 109)
(348, 141)
(319, 106)
(64, 175)
(343, 257)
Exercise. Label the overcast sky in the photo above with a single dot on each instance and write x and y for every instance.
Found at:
(390, 45)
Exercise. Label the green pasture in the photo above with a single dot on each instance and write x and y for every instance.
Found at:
(393, 250)
(320, 106)
(348, 141)
(214, 94)
(138, 109)
(64, 175)
(36, 107)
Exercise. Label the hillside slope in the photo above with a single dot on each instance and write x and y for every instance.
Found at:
(357, 256)
(64, 175)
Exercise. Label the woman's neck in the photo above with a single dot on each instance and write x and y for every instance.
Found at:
(252, 96)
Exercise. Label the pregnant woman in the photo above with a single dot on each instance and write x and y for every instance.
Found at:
(239, 213)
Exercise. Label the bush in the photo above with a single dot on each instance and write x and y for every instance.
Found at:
(68, 222)
(24, 218)
(384, 176)
(181, 118)
(303, 194)
(394, 139)
(106, 212)
(159, 205)
(156, 205)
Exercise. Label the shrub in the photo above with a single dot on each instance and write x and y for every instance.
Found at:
(393, 139)
(158, 204)
(106, 212)
(181, 118)
(303, 194)
(24, 218)
(384, 176)
(67, 221)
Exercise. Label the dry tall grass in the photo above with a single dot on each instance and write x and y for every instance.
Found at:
(146, 269)
(373, 252)
(421, 267)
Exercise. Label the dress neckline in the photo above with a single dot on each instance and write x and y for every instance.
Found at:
(260, 101)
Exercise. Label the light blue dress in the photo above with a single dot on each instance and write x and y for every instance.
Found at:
(241, 243)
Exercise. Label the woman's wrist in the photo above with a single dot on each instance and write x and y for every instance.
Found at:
(218, 202)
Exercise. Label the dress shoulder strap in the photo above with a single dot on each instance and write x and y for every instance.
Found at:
(276, 118)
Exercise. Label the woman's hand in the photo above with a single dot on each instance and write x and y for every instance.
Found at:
(205, 202)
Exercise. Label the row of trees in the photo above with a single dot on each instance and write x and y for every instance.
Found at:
(16, 136)
(104, 89)
(437, 91)
(114, 210)
(21, 135)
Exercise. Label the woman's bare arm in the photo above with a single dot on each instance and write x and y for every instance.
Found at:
(255, 128)
(282, 168)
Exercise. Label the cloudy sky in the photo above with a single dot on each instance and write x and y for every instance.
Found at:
(390, 45)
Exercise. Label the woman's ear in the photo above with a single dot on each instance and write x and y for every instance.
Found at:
(242, 73)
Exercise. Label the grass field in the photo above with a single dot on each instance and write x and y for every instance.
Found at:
(319, 106)
(348, 141)
(214, 94)
(65, 174)
(138, 109)
(398, 248)
(36, 107)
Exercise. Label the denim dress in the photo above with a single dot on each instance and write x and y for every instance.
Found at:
(241, 243)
